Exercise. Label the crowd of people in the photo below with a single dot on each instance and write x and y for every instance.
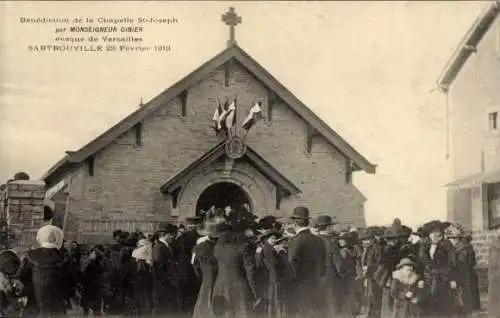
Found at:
(229, 263)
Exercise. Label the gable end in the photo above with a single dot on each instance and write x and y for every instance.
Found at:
(180, 89)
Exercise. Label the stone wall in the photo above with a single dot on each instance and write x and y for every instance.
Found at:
(23, 210)
(482, 241)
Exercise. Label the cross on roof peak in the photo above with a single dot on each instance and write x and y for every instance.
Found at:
(232, 19)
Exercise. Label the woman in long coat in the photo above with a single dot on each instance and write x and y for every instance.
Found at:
(345, 262)
(49, 271)
(436, 257)
(331, 289)
(205, 268)
(462, 260)
(235, 289)
(273, 267)
(143, 283)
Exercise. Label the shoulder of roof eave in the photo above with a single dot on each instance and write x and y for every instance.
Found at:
(464, 50)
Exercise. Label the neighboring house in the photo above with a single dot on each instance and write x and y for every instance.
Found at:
(471, 81)
(165, 162)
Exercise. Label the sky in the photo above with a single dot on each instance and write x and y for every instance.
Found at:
(368, 69)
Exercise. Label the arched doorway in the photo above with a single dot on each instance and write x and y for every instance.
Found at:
(221, 195)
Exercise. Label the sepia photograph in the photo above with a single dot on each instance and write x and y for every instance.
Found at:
(250, 159)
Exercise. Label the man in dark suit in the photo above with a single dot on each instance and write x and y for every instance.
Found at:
(190, 284)
(166, 296)
(306, 254)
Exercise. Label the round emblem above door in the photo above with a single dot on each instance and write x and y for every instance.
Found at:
(235, 147)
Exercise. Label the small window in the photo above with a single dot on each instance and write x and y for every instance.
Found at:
(493, 121)
(493, 192)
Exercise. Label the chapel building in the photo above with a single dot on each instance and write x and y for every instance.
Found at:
(227, 134)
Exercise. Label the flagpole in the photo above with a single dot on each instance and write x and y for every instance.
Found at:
(235, 114)
(245, 135)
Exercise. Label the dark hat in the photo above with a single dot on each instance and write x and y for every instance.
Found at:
(117, 233)
(366, 234)
(433, 226)
(391, 233)
(194, 220)
(99, 247)
(221, 227)
(301, 213)
(346, 235)
(267, 222)
(324, 220)
(268, 233)
(166, 227)
(420, 232)
(9, 262)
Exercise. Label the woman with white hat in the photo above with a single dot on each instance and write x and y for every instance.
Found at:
(143, 256)
(49, 272)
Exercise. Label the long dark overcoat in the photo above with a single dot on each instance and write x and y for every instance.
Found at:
(143, 285)
(437, 269)
(462, 260)
(205, 267)
(234, 289)
(49, 273)
(274, 269)
(346, 266)
(331, 288)
(190, 283)
(166, 289)
(306, 255)
(374, 292)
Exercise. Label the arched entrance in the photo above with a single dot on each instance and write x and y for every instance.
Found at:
(221, 195)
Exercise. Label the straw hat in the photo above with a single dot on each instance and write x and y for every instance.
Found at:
(454, 231)
(405, 262)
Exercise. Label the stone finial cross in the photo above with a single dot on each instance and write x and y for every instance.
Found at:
(232, 19)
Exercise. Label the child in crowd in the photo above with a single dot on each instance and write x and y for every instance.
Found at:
(405, 289)
(11, 289)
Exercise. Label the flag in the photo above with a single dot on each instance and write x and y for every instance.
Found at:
(253, 116)
(230, 119)
(222, 115)
(218, 111)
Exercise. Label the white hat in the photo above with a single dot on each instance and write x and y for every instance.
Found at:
(142, 242)
(50, 236)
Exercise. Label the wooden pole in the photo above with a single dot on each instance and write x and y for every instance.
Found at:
(66, 207)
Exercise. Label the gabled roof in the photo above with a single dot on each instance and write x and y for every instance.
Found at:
(233, 52)
(218, 152)
(467, 46)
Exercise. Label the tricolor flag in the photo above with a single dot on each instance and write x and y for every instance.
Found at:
(222, 116)
(253, 116)
(230, 119)
(216, 119)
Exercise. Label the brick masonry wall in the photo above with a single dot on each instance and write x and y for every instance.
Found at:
(127, 177)
(24, 210)
(481, 241)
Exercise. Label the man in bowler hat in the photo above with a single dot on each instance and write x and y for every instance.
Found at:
(166, 301)
(306, 254)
